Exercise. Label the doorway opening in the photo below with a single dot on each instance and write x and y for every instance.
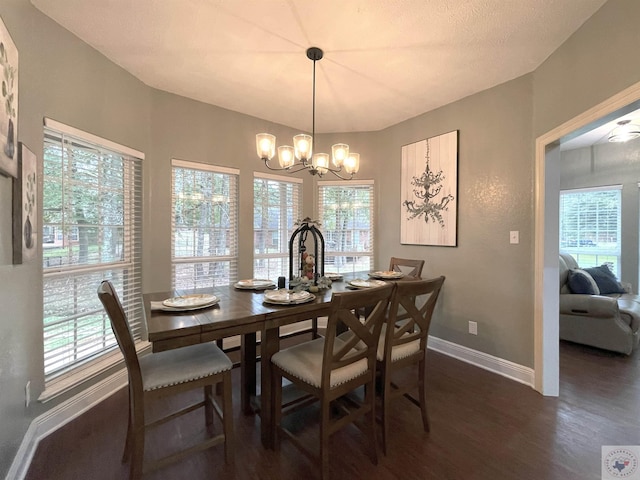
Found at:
(546, 220)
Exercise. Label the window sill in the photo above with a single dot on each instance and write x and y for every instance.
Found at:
(68, 381)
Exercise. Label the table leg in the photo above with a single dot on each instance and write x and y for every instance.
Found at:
(247, 371)
(269, 345)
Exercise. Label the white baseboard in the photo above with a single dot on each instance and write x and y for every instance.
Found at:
(62, 414)
(59, 416)
(510, 370)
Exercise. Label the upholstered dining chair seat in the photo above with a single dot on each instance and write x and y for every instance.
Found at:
(398, 352)
(182, 365)
(304, 361)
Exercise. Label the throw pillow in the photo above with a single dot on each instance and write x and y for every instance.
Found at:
(582, 282)
(605, 279)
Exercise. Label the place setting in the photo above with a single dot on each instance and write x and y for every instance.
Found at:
(184, 303)
(333, 276)
(386, 275)
(359, 283)
(288, 297)
(255, 284)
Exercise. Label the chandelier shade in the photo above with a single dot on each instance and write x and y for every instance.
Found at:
(301, 156)
(624, 131)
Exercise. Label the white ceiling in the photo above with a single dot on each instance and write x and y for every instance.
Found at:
(599, 131)
(385, 60)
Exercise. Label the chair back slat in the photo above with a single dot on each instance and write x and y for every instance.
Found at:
(120, 327)
(415, 265)
(363, 332)
(415, 320)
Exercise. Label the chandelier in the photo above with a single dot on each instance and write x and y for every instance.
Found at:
(300, 156)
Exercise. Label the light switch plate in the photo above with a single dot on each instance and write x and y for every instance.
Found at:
(514, 236)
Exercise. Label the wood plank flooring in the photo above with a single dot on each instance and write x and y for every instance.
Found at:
(483, 427)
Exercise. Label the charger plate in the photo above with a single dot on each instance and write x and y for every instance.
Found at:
(333, 276)
(358, 283)
(386, 275)
(254, 284)
(191, 302)
(288, 297)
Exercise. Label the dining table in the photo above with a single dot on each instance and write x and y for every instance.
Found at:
(242, 312)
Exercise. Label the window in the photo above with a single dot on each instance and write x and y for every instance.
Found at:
(91, 223)
(346, 213)
(204, 225)
(276, 206)
(590, 225)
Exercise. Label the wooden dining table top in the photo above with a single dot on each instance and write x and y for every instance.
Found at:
(238, 311)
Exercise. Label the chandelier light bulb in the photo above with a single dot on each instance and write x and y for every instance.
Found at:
(352, 163)
(321, 163)
(303, 146)
(286, 156)
(339, 153)
(266, 145)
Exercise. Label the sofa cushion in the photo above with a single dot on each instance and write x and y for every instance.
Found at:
(605, 279)
(582, 282)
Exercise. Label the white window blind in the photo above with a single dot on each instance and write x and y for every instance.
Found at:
(204, 225)
(277, 205)
(590, 225)
(346, 211)
(92, 230)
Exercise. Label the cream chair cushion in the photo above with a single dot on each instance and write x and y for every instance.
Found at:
(304, 361)
(182, 365)
(399, 351)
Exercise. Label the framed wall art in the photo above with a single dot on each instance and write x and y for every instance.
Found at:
(8, 104)
(25, 207)
(429, 191)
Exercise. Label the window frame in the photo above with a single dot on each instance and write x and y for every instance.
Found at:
(126, 270)
(283, 231)
(590, 252)
(335, 253)
(233, 257)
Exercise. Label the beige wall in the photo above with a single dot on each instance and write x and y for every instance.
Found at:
(595, 63)
(489, 281)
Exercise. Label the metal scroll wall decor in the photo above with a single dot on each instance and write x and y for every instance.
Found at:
(309, 266)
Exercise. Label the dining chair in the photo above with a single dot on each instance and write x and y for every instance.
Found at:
(170, 372)
(329, 368)
(416, 266)
(403, 343)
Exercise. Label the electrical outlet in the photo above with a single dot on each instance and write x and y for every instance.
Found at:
(473, 328)
(27, 393)
(514, 236)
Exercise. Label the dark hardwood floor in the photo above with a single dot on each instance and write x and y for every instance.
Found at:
(483, 427)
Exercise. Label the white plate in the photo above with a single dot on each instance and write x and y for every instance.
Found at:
(333, 276)
(366, 283)
(387, 274)
(288, 297)
(255, 284)
(190, 302)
